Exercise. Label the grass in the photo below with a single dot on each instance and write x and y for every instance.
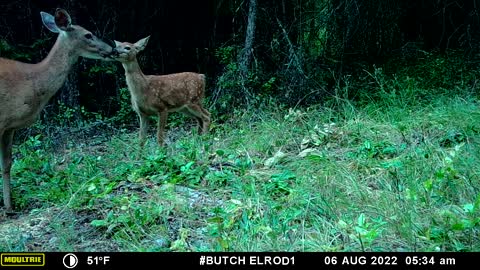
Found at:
(375, 177)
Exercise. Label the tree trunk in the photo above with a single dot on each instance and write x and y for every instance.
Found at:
(246, 56)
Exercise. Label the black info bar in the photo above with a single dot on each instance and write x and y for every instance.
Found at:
(239, 260)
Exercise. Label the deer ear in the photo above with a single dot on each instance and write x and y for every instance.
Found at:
(62, 19)
(49, 22)
(142, 43)
(117, 43)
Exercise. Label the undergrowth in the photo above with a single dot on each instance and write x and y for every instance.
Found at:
(388, 175)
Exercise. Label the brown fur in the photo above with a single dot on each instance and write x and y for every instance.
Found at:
(159, 95)
(26, 88)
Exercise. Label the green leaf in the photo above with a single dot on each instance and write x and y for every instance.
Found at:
(458, 227)
(469, 208)
(99, 223)
(392, 164)
(361, 220)
(428, 184)
(91, 187)
(367, 145)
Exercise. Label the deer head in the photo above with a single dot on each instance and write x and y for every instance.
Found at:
(126, 51)
(85, 43)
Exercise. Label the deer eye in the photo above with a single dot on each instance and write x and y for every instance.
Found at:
(88, 36)
(127, 48)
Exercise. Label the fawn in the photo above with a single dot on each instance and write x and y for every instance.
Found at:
(161, 94)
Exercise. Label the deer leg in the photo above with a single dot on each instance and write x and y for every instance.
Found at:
(162, 121)
(206, 123)
(201, 123)
(143, 128)
(187, 112)
(202, 115)
(6, 154)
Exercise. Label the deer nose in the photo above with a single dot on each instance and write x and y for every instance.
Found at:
(111, 54)
(114, 52)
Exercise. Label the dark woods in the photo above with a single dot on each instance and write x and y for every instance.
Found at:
(292, 51)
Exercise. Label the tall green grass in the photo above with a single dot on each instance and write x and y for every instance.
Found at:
(387, 175)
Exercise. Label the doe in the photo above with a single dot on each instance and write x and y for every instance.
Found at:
(25, 88)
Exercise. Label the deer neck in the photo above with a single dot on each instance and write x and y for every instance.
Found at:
(132, 68)
(52, 72)
(135, 78)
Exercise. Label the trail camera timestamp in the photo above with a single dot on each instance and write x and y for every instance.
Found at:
(360, 260)
(391, 260)
(428, 260)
